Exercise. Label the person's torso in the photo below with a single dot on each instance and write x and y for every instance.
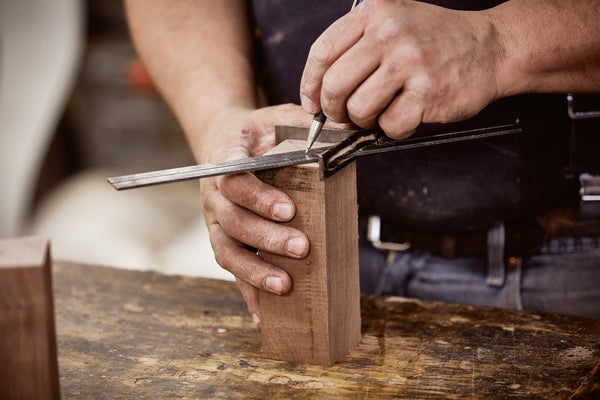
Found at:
(450, 187)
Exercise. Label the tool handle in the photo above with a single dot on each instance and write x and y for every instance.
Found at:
(320, 117)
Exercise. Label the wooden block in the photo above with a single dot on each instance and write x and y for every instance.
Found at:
(28, 359)
(318, 321)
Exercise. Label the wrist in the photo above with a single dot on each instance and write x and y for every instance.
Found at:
(216, 131)
(509, 78)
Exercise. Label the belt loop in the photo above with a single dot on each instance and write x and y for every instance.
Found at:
(495, 252)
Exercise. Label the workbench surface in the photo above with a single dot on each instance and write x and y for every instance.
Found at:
(143, 335)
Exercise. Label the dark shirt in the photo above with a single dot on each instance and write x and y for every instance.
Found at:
(452, 187)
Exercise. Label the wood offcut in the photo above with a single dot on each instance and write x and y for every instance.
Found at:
(28, 358)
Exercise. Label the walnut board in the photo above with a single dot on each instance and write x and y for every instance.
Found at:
(321, 313)
(28, 358)
(131, 334)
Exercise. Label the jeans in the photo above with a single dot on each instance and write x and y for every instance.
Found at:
(562, 277)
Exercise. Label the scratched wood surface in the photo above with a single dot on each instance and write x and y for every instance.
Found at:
(131, 334)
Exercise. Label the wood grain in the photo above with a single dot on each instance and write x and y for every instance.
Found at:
(318, 321)
(131, 334)
(28, 358)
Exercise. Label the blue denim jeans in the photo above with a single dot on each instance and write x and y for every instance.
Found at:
(562, 277)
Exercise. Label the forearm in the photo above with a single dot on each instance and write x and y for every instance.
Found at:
(548, 46)
(199, 54)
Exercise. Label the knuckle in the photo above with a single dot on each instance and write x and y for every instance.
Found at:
(387, 32)
(223, 254)
(360, 113)
(235, 187)
(274, 242)
(226, 183)
(321, 51)
(395, 69)
(386, 125)
(420, 86)
(255, 277)
(397, 128)
(309, 87)
(228, 220)
(263, 204)
(207, 199)
(333, 99)
(416, 56)
(328, 90)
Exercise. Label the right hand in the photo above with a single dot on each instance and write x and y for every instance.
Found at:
(241, 211)
(395, 64)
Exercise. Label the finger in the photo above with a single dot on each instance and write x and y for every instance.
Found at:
(211, 198)
(252, 299)
(305, 119)
(403, 115)
(347, 73)
(247, 266)
(294, 115)
(332, 43)
(251, 193)
(252, 229)
(373, 96)
(337, 125)
(260, 233)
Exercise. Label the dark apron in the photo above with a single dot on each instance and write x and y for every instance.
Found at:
(448, 188)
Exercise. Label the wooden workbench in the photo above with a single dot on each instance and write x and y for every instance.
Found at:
(143, 335)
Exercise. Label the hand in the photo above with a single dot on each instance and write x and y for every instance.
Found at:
(241, 211)
(397, 63)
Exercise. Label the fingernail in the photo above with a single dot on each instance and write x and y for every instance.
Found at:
(256, 321)
(274, 284)
(296, 247)
(282, 211)
(307, 104)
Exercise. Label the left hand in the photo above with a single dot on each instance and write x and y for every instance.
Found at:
(241, 211)
(397, 63)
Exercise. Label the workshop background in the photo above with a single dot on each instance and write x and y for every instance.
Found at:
(76, 107)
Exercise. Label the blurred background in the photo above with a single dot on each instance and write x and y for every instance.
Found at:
(76, 106)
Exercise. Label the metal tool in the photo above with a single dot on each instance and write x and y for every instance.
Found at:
(207, 170)
(590, 187)
(319, 119)
(330, 158)
(315, 129)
